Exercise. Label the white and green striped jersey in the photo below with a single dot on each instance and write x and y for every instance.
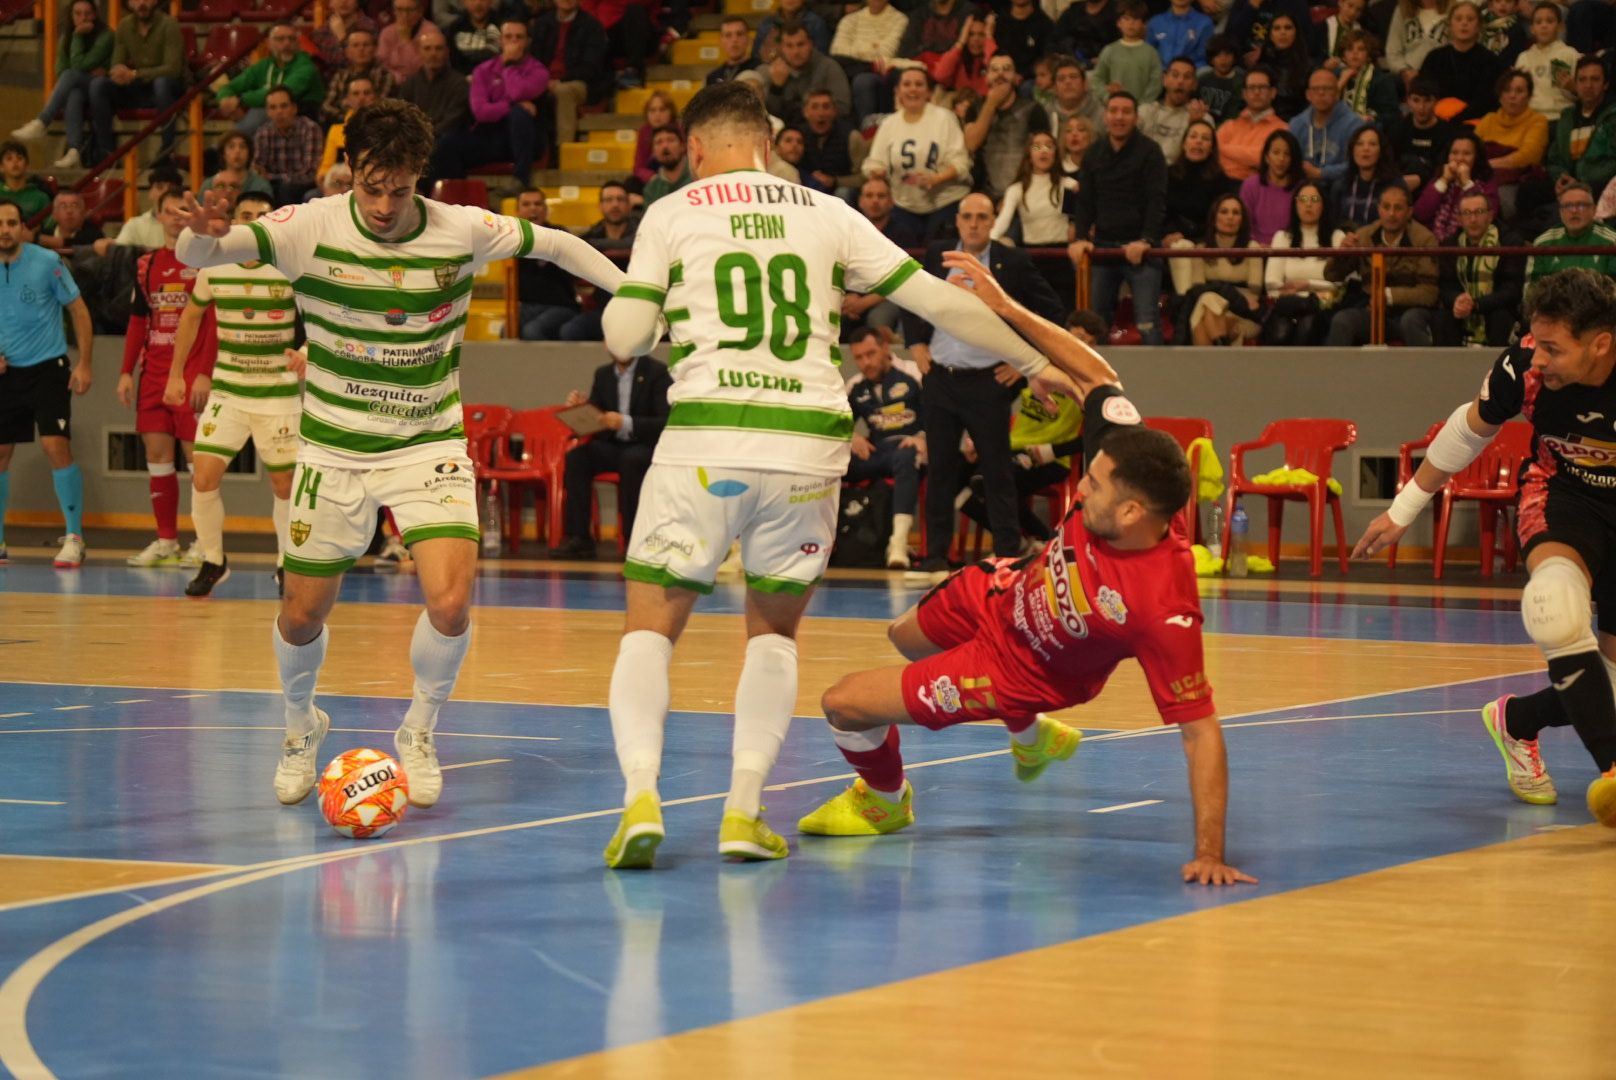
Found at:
(750, 271)
(384, 321)
(257, 320)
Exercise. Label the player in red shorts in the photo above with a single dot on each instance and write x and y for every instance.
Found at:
(1009, 639)
(163, 287)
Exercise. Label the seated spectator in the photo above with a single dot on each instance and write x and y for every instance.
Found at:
(873, 309)
(1419, 140)
(734, 41)
(17, 185)
(331, 39)
(84, 52)
(1194, 183)
(1577, 228)
(1301, 295)
(68, 228)
(921, 152)
(1129, 63)
(787, 154)
(1023, 32)
(756, 83)
(660, 112)
(1355, 198)
(616, 227)
(287, 67)
(473, 37)
(933, 29)
(360, 52)
(1072, 96)
(1411, 280)
(630, 35)
(1466, 171)
(1121, 203)
(144, 230)
(1417, 27)
(865, 44)
(1221, 297)
(1241, 140)
(398, 44)
(548, 299)
(999, 132)
(338, 180)
(1323, 129)
(1285, 55)
(1221, 83)
(236, 169)
(1330, 38)
(1515, 138)
(436, 88)
(1267, 194)
(571, 45)
(632, 395)
(1480, 294)
(1180, 32)
(147, 72)
(1582, 146)
(1165, 120)
(1463, 69)
(966, 64)
(672, 164)
(1032, 204)
(1086, 27)
(771, 30)
(504, 96)
(798, 71)
(1503, 32)
(1550, 62)
(360, 94)
(827, 142)
(1364, 85)
(287, 148)
(888, 402)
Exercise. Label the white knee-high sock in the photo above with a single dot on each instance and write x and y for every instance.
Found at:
(639, 708)
(436, 660)
(207, 515)
(300, 669)
(281, 511)
(764, 699)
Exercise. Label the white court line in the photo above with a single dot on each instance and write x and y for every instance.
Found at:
(262, 727)
(30, 802)
(474, 764)
(183, 697)
(69, 708)
(1125, 806)
(133, 701)
(13, 715)
(222, 867)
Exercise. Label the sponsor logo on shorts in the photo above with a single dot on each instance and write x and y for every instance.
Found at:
(657, 543)
(300, 532)
(397, 317)
(942, 696)
(445, 275)
(446, 467)
(454, 500)
(809, 549)
(1109, 601)
(724, 489)
(439, 313)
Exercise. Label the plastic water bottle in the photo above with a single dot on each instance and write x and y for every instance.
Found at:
(493, 524)
(1239, 529)
(1214, 532)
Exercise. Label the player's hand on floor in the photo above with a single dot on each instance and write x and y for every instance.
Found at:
(1382, 533)
(1205, 870)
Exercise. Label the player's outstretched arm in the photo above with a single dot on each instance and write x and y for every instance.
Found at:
(1209, 792)
(1461, 441)
(1086, 367)
(631, 326)
(576, 257)
(209, 239)
(967, 318)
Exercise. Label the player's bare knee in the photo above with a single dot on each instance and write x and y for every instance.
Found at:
(299, 624)
(280, 484)
(837, 704)
(1556, 608)
(449, 610)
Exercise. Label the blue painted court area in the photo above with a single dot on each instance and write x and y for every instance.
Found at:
(1411, 619)
(485, 935)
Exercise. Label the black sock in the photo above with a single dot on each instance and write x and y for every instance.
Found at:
(1525, 716)
(1583, 685)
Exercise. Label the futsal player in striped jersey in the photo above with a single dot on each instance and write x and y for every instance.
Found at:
(383, 280)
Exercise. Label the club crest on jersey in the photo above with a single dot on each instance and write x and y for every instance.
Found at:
(1109, 601)
(397, 274)
(279, 292)
(283, 214)
(300, 532)
(445, 275)
(209, 428)
(1063, 591)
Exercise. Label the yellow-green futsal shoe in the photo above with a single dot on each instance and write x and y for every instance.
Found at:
(858, 811)
(1056, 742)
(749, 838)
(633, 846)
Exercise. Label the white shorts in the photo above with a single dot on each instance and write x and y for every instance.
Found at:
(688, 516)
(334, 510)
(225, 427)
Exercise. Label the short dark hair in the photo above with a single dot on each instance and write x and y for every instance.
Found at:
(164, 174)
(255, 197)
(1583, 299)
(810, 95)
(614, 184)
(1220, 44)
(731, 102)
(391, 134)
(1590, 60)
(176, 192)
(1509, 76)
(1424, 86)
(1070, 62)
(1084, 319)
(12, 146)
(668, 129)
(864, 332)
(8, 202)
(1109, 98)
(730, 20)
(531, 191)
(371, 34)
(1183, 60)
(1132, 9)
(280, 90)
(1151, 465)
(792, 27)
(1575, 185)
(1265, 71)
(1552, 6)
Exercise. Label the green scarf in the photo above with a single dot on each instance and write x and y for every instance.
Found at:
(1476, 277)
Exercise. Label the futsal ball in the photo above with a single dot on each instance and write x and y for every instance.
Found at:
(363, 793)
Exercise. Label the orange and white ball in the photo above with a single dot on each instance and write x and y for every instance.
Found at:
(363, 793)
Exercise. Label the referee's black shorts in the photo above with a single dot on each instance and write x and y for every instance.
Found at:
(36, 396)
(1556, 510)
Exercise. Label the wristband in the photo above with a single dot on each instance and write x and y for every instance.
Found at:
(1408, 504)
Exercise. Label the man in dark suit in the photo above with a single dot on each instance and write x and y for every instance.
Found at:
(963, 390)
(633, 395)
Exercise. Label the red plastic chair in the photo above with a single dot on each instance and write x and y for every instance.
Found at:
(461, 193)
(537, 469)
(485, 425)
(1309, 444)
(1185, 430)
(1492, 481)
(225, 41)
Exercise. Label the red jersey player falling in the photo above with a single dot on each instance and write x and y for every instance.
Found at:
(1009, 639)
(163, 287)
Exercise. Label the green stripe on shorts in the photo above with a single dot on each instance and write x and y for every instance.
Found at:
(322, 568)
(661, 575)
(432, 532)
(765, 583)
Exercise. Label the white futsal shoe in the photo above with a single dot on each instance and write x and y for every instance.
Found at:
(419, 756)
(294, 774)
(71, 557)
(157, 553)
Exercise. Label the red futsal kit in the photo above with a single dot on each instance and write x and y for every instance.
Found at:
(1044, 632)
(163, 287)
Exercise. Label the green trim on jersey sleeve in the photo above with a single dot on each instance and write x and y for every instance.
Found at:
(266, 246)
(661, 575)
(528, 238)
(838, 277)
(902, 273)
(751, 416)
(676, 273)
(199, 302)
(635, 290)
(765, 583)
(674, 315)
(322, 568)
